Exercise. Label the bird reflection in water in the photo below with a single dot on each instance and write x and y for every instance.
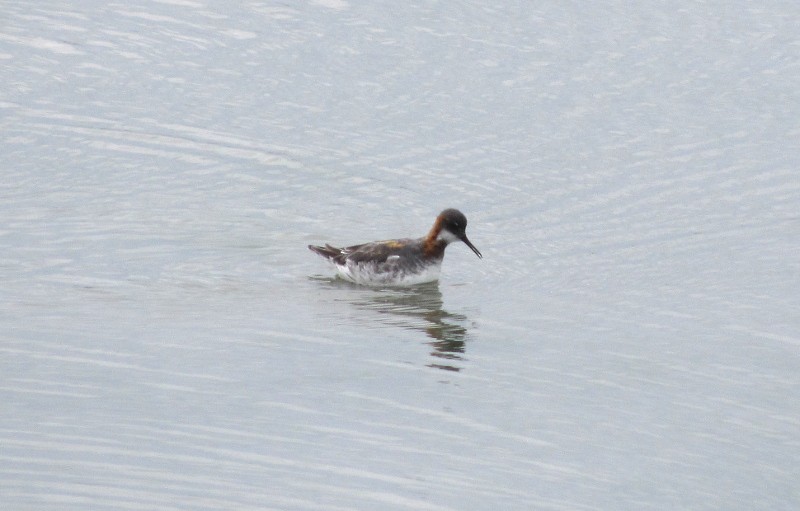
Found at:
(419, 308)
(424, 302)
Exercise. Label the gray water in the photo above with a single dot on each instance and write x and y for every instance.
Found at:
(631, 339)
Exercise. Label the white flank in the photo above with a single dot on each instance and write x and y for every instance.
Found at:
(368, 274)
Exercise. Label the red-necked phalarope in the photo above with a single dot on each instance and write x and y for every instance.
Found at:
(402, 262)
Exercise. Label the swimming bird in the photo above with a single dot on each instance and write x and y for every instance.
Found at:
(400, 262)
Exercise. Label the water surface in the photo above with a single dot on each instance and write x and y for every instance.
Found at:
(629, 341)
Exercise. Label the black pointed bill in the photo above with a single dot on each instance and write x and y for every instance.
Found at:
(470, 245)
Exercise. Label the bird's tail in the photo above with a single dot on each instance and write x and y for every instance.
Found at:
(328, 252)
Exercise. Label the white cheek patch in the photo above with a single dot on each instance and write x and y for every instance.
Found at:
(446, 236)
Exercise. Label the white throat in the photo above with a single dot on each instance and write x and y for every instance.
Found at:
(446, 236)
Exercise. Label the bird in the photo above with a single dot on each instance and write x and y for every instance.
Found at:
(399, 262)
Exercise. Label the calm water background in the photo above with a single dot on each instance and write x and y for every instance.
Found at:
(631, 339)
